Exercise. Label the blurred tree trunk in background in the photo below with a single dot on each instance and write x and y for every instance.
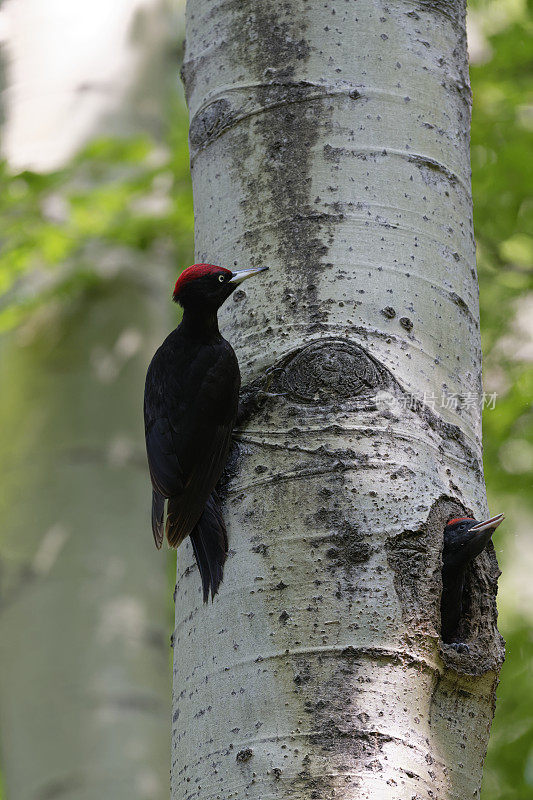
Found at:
(84, 673)
(331, 142)
(76, 71)
(84, 687)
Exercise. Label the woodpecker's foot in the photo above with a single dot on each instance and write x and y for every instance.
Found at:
(459, 647)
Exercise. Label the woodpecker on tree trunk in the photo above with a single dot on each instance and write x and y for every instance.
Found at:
(190, 405)
(464, 539)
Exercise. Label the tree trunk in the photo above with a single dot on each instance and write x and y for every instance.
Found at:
(330, 142)
(84, 690)
(84, 683)
(78, 71)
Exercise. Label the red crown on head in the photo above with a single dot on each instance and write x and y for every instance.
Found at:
(459, 519)
(196, 271)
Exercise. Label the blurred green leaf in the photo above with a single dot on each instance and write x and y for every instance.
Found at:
(502, 180)
(58, 232)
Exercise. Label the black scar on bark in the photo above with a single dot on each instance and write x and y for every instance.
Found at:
(333, 372)
(454, 10)
(210, 122)
(289, 115)
(417, 565)
(325, 372)
(329, 370)
(213, 119)
(337, 722)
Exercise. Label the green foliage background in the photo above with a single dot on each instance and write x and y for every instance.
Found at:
(64, 235)
(502, 181)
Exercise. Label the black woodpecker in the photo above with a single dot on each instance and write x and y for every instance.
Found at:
(464, 539)
(190, 405)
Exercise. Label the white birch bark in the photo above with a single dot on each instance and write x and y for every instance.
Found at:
(329, 141)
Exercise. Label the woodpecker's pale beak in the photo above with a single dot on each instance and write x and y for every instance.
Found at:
(491, 523)
(243, 274)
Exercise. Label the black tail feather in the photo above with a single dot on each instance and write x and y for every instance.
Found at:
(158, 513)
(210, 544)
(203, 564)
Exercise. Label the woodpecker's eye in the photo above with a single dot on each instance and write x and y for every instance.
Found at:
(222, 278)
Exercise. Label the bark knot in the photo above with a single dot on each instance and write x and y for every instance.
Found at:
(329, 370)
